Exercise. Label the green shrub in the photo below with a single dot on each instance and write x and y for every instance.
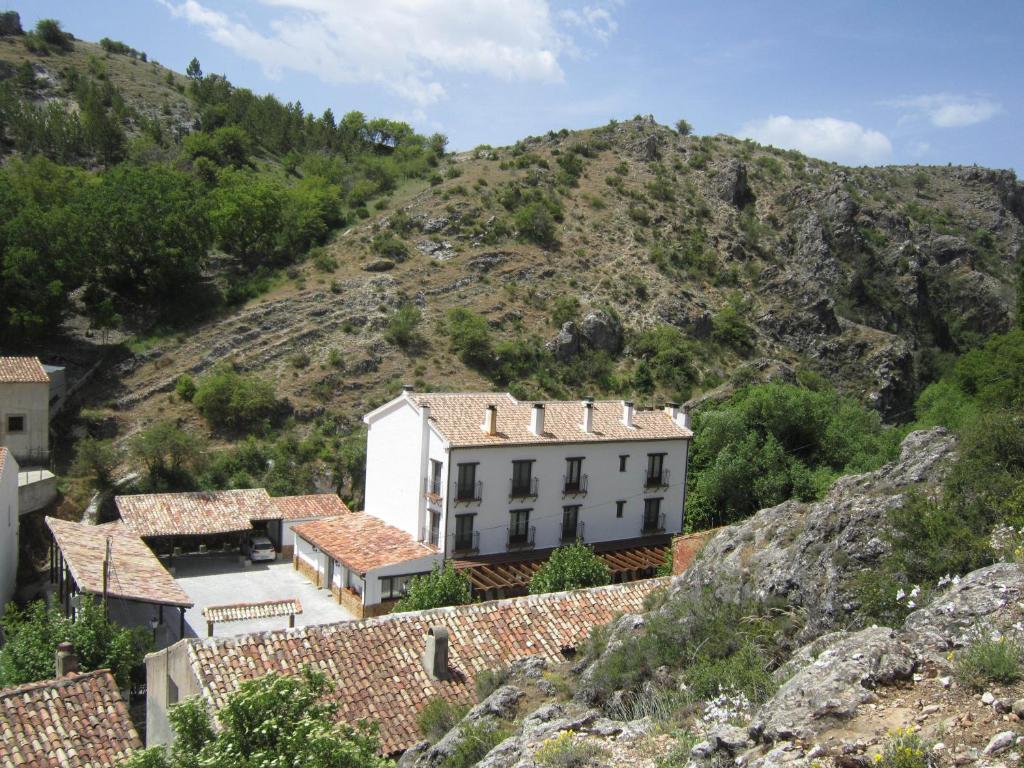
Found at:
(470, 338)
(566, 751)
(565, 308)
(389, 246)
(185, 387)
(730, 327)
(442, 586)
(570, 567)
(904, 749)
(989, 661)
(233, 401)
(50, 32)
(489, 680)
(96, 460)
(683, 127)
(402, 326)
(475, 741)
(439, 716)
(534, 222)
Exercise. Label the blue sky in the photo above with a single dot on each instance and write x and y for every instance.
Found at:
(923, 81)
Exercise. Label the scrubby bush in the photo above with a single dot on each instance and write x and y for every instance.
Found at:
(534, 222)
(470, 338)
(570, 567)
(566, 751)
(236, 402)
(904, 749)
(989, 660)
(402, 326)
(489, 680)
(185, 387)
(474, 742)
(96, 460)
(683, 127)
(389, 246)
(439, 716)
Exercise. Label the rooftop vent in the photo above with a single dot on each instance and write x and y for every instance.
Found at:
(435, 654)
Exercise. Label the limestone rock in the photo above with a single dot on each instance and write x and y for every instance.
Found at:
(379, 265)
(839, 680)
(566, 345)
(602, 331)
(731, 184)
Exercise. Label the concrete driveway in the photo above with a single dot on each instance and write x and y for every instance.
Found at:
(218, 579)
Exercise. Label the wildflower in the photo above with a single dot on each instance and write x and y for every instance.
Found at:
(900, 594)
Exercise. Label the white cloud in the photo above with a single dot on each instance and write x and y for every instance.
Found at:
(826, 137)
(406, 46)
(947, 110)
(596, 20)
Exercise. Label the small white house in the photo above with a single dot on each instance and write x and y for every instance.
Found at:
(25, 410)
(484, 473)
(8, 525)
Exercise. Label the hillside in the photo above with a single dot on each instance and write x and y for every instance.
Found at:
(630, 259)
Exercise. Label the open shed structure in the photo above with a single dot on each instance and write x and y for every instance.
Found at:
(112, 563)
(198, 521)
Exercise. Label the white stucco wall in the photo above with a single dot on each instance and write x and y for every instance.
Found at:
(394, 485)
(8, 529)
(605, 486)
(420, 565)
(31, 400)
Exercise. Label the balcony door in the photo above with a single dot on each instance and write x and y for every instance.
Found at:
(652, 515)
(655, 466)
(435, 527)
(519, 526)
(570, 522)
(573, 475)
(436, 467)
(522, 478)
(463, 532)
(467, 482)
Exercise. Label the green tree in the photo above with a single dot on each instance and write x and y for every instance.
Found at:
(269, 722)
(443, 586)
(402, 326)
(350, 467)
(571, 567)
(33, 633)
(470, 338)
(246, 213)
(236, 402)
(169, 455)
(193, 71)
(50, 32)
(96, 460)
(683, 127)
(535, 222)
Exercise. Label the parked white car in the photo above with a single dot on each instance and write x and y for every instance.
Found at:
(260, 548)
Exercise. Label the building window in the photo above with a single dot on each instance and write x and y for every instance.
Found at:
(435, 527)
(523, 482)
(620, 508)
(570, 522)
(395, 587)
(172, 692)
(467, 488)
(464, 533)
(653, 520)
(519, 526)
(15, 424)
(656, 475)
(436, 468)
(354, 582)
(622, 462)
(574, 477)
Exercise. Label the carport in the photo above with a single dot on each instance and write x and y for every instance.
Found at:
(112, 563)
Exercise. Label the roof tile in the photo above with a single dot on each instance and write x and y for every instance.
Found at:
(363, 542)
(310, 507)
(22, 370)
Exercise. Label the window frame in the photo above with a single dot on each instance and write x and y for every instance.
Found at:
(620, 508)
(649, 504)
(520, 489)
(517, 516)
(24, 423)
(623, 461)
(464, 491)
(574, 511)
(458, 530)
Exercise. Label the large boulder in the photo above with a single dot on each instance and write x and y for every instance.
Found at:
(731, 184)
(566, 345)
(805, 554)
(602, 331)
(831, 687)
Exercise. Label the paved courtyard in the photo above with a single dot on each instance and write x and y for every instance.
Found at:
(215, 579)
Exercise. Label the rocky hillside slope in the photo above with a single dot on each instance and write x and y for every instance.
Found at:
(844, 690)
(765, 260)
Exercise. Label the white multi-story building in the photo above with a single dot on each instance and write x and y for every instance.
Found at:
(484, 473)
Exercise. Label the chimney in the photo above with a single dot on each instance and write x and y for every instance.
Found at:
(407, 388)
(435, 654)
(66, 661)
(686, 416)
(588, 415)
(424, 414)
(537, 419)
(627, 412)
(672, 409)
(490, 425)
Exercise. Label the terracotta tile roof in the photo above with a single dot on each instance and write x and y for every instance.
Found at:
(363, 542)
(246, 611)
(135, 572)
(22, 370)
(310, 507)
(78, 721)
(458, 416)
(193, 514)
(375, 664)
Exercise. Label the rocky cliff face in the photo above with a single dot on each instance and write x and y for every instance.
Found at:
(844, 689)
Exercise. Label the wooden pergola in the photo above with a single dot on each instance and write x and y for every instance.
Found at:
(507, 576)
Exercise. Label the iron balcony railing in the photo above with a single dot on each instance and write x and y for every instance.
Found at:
(522, 538)
(471, 543)
(654, 523)
(657, 481)
(522, 490)
(570, 534)
(432, 487)
(574, 486)
(471, 492)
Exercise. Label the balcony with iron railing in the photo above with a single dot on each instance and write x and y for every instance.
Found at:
(526, 489)
(574, 486)
(657, 481)
(570, 534)
(467, 545)
(432, 488)
(522, 538)
(653, 524)
(469, 493)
